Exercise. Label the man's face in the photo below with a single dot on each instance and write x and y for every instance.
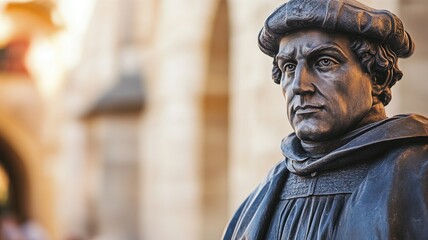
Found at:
(326, 91)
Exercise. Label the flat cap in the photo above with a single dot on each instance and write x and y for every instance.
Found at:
(346, 16)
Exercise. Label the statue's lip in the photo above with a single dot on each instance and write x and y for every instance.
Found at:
(307, 108)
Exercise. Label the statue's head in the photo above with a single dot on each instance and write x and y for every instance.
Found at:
(336, 61)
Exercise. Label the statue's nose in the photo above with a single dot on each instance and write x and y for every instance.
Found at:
(302, 82)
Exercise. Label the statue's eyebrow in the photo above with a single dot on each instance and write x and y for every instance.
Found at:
(285, 56)
(328, 47)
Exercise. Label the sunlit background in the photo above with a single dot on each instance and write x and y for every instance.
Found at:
(146, 119)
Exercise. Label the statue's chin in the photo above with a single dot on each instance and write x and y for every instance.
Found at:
(316, 128)
(316, 135)
(313, 136)
(309, 138)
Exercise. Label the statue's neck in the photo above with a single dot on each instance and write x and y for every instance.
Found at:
(321, 148)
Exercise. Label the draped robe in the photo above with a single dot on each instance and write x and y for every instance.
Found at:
(374, 186)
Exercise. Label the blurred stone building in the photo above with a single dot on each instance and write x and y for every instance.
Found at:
(147, 119)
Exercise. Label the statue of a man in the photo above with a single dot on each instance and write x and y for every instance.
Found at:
(349, 171)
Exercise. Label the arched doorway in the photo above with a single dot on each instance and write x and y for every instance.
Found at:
(13, 189)
(216, 128)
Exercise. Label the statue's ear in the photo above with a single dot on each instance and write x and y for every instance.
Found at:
(381, 93)
(380, 81)
(377, 89)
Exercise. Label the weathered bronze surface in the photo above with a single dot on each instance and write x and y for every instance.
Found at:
(349, 171)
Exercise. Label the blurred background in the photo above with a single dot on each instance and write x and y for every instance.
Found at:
(146, 119)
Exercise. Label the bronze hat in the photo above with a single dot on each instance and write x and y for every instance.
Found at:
(346, 16)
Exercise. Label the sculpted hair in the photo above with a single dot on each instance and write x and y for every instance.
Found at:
(376, 59)
(381, 63)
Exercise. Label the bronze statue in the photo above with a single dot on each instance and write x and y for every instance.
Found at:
(349, 171)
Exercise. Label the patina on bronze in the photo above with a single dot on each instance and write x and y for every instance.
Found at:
(349, 171)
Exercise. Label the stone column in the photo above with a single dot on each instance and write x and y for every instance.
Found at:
(414, 87)
(171, 125)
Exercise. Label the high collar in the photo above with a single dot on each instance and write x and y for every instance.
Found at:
(359, 144)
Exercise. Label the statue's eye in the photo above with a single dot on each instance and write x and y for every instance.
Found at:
(289, 67)
(326, 62)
